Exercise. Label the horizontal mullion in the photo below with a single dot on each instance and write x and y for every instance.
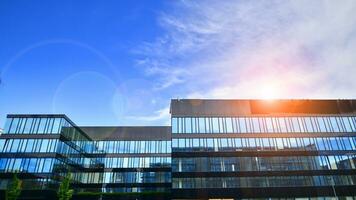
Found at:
(263, 173)
(119, 155)
(108, 185)
(261, 153)
(151, 169)
(268, 192)
(30, 136)
(28, 155)
(262, 135)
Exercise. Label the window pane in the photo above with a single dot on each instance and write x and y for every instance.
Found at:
(28, 125)
(56, 125)
(242, 125)
(229, 128)
(2, 144)
(194, 125)
(15, 145)
(255, 125)
(14, 124)
(309, 124)
(188, 125)
(295, 124)
(202, 125)
(174, 125)
(47, 165)
(41, 128)
(322, 125)
(29, 145)
(181, 125)
(334, 124)
(347, 124)
(7, 125)
(44, 145)
(269, 125)
(215, 125)
(21, 125)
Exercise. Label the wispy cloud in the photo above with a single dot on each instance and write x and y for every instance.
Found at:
(162, 114)
(250, 49)
(253, 49)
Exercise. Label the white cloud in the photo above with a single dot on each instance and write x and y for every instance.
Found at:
(162, 114)
(250, 49)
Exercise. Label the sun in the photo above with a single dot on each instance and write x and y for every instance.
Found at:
(269, 91)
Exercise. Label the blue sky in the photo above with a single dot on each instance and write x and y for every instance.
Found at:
(120, 62)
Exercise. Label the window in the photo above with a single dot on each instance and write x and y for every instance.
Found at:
(321, 124)
(242, 124)
(44, 145)
(174, 125)
(2, 144)
(14, 124)
(56, 125)
(41, 128)
(210, 144)
(29, 146)
(47, 165)
(32, 164)
(188, 125)
(347, 124)
(334, 124)
(269, 125)
(308, 124)
(7, 125)
(255, 125)
(15, 145)
(201, 122)
(28, 125)
(195, 125)
(295, 124)
(215, 125)
(180, 125)
(3, 162)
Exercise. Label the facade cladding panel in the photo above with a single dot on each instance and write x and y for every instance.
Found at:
(214, 149)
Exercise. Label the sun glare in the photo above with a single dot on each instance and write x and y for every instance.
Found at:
(269, 92)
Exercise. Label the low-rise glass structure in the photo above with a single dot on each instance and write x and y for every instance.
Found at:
(214, 149)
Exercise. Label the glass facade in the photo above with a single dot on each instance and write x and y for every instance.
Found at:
(137, 162)
(124, 177)
(260, 152)
(239, 151)
(35, 125)
(32, 165)
(132, 147)
(261, 182)
(48, 146)
(271, 163)
(295, 124)
(28, 145)
(45, 146)
(265, 144)
(208, 152)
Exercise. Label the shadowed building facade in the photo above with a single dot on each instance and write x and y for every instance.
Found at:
(214, 149)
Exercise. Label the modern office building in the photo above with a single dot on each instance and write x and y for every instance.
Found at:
(214, 149)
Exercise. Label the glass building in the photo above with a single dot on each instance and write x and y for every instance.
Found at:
(214, 149)
(263, 149)
(41, 149)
